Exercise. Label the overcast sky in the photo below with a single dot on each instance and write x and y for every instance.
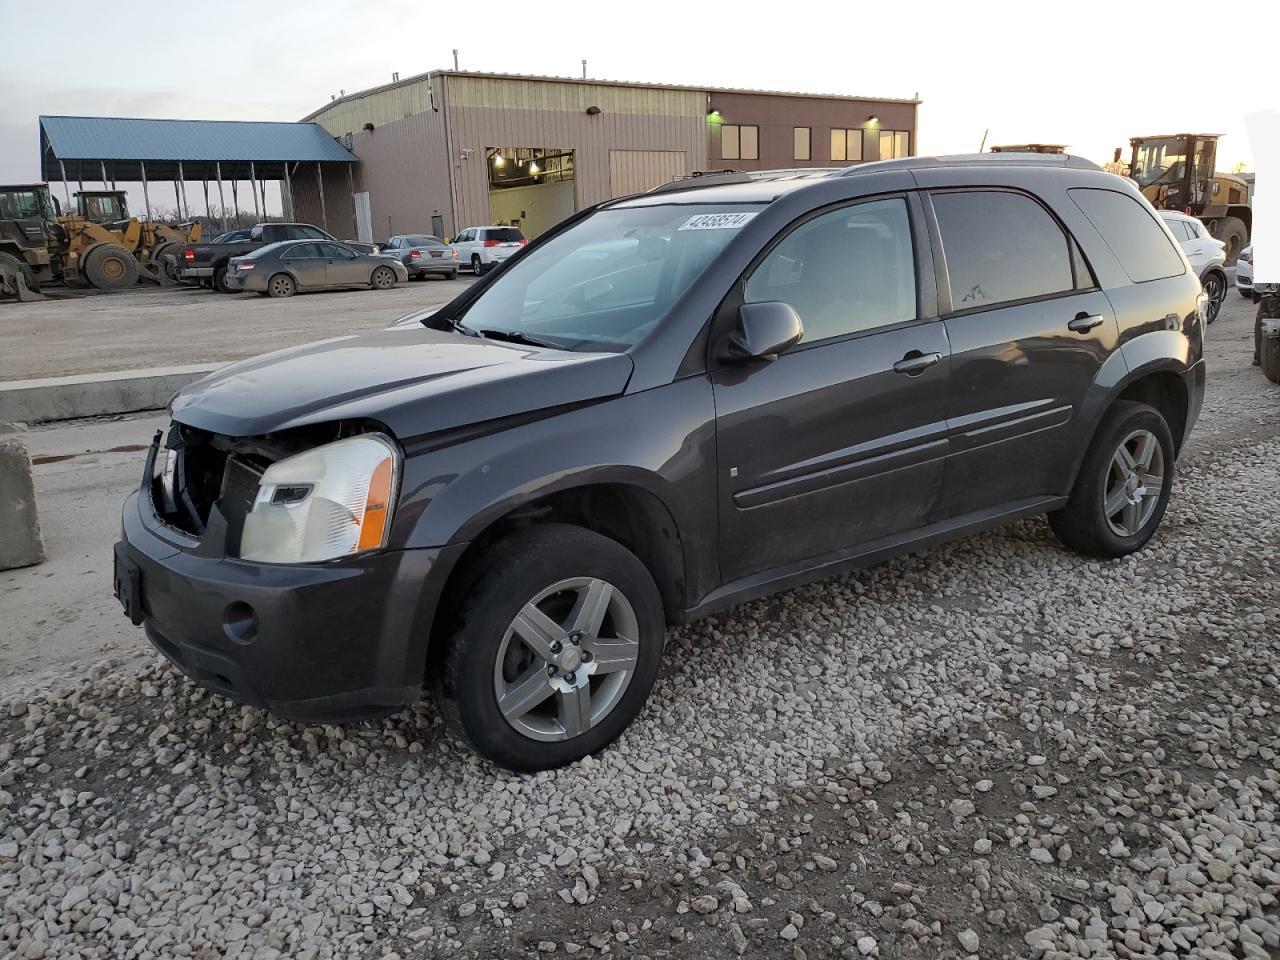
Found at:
(1090, 74)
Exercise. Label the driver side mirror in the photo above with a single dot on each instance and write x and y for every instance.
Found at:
(765, 330)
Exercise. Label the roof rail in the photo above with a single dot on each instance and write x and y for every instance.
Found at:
(975, 160)
(721, 178)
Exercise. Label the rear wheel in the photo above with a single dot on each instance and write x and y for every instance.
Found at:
(476, 266)
(220, 280)
(109, 266)
(1215, 287)
(1123, 486)
(382, 279)
(281, 285)
(553, 650)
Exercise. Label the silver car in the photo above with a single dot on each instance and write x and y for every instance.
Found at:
(1244, 272)
(423, 255)
(290, 266)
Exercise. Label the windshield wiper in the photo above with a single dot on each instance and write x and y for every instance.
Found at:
(515, 336)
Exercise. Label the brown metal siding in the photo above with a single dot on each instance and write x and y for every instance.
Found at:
(778, 116)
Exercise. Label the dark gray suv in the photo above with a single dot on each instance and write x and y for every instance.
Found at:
(669, 404)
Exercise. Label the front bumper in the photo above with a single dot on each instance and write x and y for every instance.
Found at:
(332, 642)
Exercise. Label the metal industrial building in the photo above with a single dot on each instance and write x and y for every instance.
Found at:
(450, 149)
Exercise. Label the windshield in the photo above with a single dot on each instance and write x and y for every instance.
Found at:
(25, 204)
(1159, 161)
(604, 283)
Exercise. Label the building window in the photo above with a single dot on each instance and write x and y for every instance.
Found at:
(894, 144)
(801, 151)
(739, 142)
(846, 145)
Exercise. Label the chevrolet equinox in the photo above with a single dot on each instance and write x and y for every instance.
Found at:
(668, 404)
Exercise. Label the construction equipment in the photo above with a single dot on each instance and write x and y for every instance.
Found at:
(148, 240)
(39, 244)
(1176, 172)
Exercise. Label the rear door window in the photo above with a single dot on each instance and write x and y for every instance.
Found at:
(1001, 247)
(302, 251)
(1130, 230)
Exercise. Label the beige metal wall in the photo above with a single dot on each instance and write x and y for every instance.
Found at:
(634, 171)
(379, 106)
(553, 116)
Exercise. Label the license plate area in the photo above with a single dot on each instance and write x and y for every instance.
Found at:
(127, 582)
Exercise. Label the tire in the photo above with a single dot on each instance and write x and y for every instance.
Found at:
(281, 285)
(1269, 355)
(476, 266)
(1215, 285)
(1232, 232)
(109, 266)
(220, 280)
(15, 272)
(382, 278)
(1085, 524)
(484, 657)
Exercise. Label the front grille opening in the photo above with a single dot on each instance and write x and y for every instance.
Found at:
(207, 481)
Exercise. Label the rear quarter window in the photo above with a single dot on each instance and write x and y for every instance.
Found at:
(1143, 250)
(1000, 247)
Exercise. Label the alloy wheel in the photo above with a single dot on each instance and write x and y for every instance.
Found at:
(566, 659)
(1216, 291)
(1135, 482)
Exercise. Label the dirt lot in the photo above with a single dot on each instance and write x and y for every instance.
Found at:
(993, 748)
(153, 327)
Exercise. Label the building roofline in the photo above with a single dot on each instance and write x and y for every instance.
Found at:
(591, 81)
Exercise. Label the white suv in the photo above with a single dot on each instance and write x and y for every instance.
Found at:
(482, 248)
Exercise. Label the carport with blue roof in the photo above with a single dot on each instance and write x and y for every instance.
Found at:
(124, 149)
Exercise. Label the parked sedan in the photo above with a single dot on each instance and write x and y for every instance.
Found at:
(423, 255)
(285, 268)
(1205, 255)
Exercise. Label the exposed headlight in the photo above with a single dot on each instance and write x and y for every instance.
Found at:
(328, 502)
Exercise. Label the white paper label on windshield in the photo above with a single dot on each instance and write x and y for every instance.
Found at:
(717, 221)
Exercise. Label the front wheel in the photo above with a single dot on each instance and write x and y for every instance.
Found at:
(382, 279)
(1123, 486)
(1215, 288)
(553, 649)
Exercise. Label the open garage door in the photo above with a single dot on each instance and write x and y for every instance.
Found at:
(635, 171)
(530, 188)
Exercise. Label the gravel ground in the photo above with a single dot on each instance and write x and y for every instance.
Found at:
(995, 748)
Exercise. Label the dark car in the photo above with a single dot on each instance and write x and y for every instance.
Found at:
(208, 263)
(301, 266)
(423, 255)
(760, 381)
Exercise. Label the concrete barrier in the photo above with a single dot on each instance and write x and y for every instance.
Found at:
(95, 394)
(20, 542)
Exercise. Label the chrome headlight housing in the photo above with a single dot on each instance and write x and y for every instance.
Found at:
(331, 501)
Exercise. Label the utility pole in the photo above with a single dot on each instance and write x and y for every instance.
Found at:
(455, 58)
(584, 68)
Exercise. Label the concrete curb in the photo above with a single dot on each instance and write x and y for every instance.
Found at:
(95, 394)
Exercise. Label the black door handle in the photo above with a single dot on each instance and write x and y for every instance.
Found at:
(916, 362)
(1084, 322)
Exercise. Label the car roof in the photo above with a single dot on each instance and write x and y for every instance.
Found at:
(765, 186)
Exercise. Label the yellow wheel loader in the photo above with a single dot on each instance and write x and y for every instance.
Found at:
(1176, 172)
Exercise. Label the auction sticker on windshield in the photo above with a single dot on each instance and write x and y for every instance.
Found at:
(717, 221)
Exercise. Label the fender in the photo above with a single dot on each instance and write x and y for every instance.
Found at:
(453, 494)
(1156, 351)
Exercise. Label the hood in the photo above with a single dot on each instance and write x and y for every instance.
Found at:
(416, 381)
